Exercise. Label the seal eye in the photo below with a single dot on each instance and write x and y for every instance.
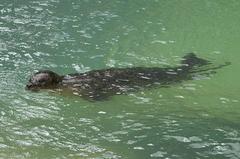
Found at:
(41, 80)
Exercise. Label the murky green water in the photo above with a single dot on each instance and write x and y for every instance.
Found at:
(192, 120)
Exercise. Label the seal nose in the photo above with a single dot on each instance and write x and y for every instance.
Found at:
(28, 86)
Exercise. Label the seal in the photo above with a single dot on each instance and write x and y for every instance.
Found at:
(98, 85)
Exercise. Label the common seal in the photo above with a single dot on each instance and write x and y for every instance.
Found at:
(101, 84)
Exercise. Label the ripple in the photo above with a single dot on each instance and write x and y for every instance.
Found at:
(138, 148)
(158, 154)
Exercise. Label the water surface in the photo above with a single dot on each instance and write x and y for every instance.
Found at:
(195, 119)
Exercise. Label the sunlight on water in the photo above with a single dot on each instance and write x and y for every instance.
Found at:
(193, 119)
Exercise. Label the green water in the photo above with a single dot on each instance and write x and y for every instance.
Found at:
(192, 120)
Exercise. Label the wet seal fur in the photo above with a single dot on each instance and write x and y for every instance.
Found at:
(100, 84)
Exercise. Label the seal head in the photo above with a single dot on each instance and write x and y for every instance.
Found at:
(43, 80)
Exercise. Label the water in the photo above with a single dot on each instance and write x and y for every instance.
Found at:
(195, 119)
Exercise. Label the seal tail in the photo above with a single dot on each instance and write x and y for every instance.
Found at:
(191, 63)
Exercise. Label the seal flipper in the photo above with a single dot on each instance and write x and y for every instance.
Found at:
(191, 60)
